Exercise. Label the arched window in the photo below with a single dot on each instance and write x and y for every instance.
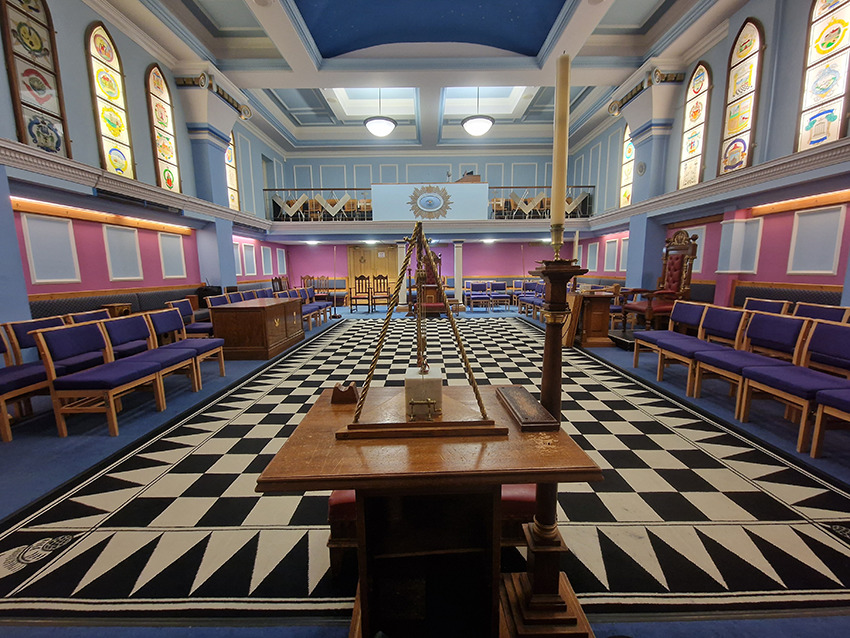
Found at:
(824, 100)
(628, 168)
(230, 168)
(697, 97)
(33, 70)
(742, 90)
(110, 103)
(162, 130)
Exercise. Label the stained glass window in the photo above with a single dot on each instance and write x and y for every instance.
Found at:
(824, 100)
(628, 170)
(697, 97)
(33, 69)
(742, 89)
(162, 130)
(230, 168)
(110, 103)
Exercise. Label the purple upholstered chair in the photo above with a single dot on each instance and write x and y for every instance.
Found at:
(249, 294)
(798, 385)
(131, 338)
(80, 382)
(167, 325)
(834, 404)
(775, 306)
(91, 315)
(720, 328)
(685, 316)
(770, 340)
(233, 297)
(217, 300)
(499, 295)
(17, 384)
(477, 295)
(819, 311)
(193, 328)
(21, 339)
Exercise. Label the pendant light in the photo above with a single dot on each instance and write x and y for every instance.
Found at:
(380, 125)
(477, 125)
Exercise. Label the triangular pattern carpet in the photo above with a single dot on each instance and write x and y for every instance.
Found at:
(691, 516)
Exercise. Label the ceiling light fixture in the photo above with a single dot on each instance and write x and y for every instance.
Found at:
(477, 125)
(380, 125)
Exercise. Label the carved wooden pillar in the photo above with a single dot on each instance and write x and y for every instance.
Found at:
(540, 602)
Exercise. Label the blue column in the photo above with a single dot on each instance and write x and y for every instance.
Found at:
(208, 148)
(215, 253)
(15, 306)
(646, 248)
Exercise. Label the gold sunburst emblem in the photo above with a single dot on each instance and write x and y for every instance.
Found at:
(430, 202)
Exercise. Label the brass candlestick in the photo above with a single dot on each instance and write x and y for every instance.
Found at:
(557, 239)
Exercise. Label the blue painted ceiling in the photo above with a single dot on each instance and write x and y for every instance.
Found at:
(311, 69)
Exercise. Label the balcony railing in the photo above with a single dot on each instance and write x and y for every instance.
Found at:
(535, 202)
(355, 205)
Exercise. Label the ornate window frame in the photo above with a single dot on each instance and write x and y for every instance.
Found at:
(232, 174)
(826, 62)
(109, 99)
(29, 44)
(163, 133)
(743, 83)
(627, 168)
(695, 125)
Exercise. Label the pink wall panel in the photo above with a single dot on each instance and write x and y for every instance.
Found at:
(317, 261)
(258, 259)
(599, 271)
(94, 271)
(503, 259)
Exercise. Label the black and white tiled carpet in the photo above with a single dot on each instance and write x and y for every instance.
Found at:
(691, 515)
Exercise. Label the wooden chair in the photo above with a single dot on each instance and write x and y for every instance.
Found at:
(380, 291)
(680, 250)
(17, 384)
(360, 294)
(90, 315)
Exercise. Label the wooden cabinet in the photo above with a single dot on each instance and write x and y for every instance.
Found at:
(593, 318)
(258, 328)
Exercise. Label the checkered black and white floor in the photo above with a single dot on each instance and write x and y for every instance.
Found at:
(691, 515)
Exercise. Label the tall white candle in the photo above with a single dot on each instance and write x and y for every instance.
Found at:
(575, 245)
(560, 145)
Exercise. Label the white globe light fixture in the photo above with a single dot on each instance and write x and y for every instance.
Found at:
(380, 125)
(477, 125)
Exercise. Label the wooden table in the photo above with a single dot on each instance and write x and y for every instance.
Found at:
(258, 328)
(428, 516)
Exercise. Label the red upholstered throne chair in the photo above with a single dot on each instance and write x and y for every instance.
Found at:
(680, 250)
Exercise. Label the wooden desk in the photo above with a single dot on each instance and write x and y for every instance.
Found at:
(258, 328)
(427, 510)
(593, 318)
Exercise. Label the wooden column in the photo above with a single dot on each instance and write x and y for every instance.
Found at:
(541, 602)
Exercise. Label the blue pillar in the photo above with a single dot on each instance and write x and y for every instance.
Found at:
(646, 248)
(208, 148)
(15, 306)
(215, 253)
(651, 141)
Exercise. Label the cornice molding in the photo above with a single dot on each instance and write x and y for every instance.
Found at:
(715, 36)
(727, 188)
(107, 11)
(35, 161)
